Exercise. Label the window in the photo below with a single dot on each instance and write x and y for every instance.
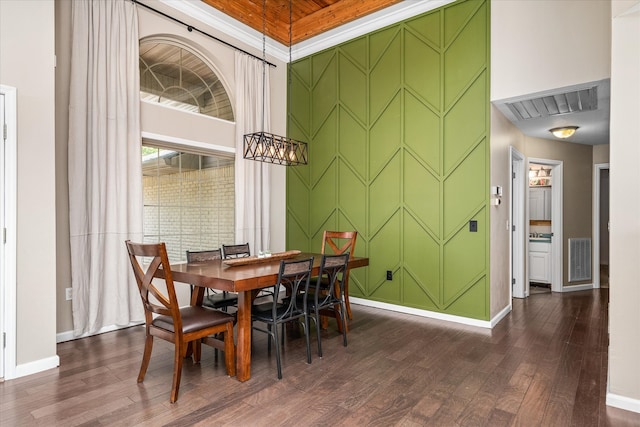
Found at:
(189, 199)
(173, 74)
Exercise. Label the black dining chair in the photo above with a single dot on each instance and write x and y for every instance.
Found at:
(326, 294)
(236, 251)
(293, 278)
(220, 300)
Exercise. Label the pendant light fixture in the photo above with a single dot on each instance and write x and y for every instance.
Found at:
(267, 147)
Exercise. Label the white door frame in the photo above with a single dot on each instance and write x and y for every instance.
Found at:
(8, 249)
(556, 220)
(597, 168)
(517, 251)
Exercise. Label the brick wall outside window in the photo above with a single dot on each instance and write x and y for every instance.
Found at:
(190, 210)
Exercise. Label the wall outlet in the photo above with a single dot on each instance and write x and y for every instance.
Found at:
(68, 293)
(389, 275)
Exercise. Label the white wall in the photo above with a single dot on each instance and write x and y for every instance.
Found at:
(538, 45)
(624, 268)
(27, 63)
(503, 135)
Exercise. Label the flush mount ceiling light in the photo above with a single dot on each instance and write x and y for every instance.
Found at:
(564, 131)
(267, 147)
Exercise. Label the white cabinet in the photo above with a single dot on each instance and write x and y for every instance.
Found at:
(540, 203)
(540, 262)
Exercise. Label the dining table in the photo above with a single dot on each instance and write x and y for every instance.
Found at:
(246, 279)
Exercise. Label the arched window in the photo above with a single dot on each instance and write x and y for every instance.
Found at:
(173, 74)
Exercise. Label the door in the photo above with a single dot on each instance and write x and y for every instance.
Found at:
(8, 203)
(3, 126)
(517, 221)
(601, 225)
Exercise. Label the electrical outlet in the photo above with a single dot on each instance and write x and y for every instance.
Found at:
(68, 293)
(473, 226)
(389, 275)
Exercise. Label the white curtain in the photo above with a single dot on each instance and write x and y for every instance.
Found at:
(105, 176)
(252, 178)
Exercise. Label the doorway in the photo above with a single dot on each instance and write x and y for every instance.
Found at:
(554, 174)
(601, 225)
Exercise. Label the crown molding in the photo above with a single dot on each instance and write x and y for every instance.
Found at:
(235, 29)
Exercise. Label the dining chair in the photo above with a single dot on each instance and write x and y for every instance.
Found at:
(293, 278)
(181, 326)
(222, 300)
(242, 251)
(340, 242)
(325, 299)
(236, 251)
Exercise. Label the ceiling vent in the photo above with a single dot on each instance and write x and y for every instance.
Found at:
(555, 104)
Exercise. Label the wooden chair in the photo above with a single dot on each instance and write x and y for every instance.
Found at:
(180, 326)
(222, 300)
(338, 243)
(325, 294)
(293, 277)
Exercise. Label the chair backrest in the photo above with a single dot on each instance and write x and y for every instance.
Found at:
(202, 256)
(294, 276)
(332, 274)
(236, 251)
(165, 303)
(339, 242)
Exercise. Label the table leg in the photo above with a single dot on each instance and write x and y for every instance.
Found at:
(243, 348)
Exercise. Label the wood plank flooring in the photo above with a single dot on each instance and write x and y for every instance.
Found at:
(545, 364)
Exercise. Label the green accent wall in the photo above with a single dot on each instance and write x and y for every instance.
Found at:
(397, 123)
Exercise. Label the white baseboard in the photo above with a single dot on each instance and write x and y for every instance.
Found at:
(574, 288)
(432, 314)
(498, 317)
(68, 335)
(36, 366)
(622, 402)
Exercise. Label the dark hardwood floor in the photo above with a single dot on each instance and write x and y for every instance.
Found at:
(545, 364)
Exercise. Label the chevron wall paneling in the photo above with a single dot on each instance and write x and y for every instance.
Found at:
(398, 123)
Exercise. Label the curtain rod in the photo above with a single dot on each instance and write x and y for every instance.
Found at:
(191, 28)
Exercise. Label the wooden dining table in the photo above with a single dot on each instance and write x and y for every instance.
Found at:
(247, 281)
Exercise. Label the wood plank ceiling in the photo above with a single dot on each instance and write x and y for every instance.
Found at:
(309, 17)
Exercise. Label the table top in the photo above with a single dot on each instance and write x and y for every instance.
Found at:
(214, 274)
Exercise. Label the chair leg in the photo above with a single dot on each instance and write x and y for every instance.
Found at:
(344, 323)
(306, 335)
(277, 346)
(346, 298)
(269, 340)
(318, 333)
(229, 351)
(180, 353)
(146, 357)
(197, 350)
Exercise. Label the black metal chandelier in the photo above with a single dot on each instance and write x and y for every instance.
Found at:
(264, 146)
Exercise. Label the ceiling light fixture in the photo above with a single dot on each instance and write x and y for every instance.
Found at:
(564, 131)
(267, 147)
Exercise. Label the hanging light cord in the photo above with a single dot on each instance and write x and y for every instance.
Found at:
(264, 57)
(289, 65)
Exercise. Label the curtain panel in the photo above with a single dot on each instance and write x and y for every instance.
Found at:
(252, 179)
(105, 175)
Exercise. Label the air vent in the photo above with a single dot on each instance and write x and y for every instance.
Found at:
(555, 104)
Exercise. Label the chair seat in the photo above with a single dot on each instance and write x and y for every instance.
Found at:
(220, 300)
(264, 312)
(194, 319)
